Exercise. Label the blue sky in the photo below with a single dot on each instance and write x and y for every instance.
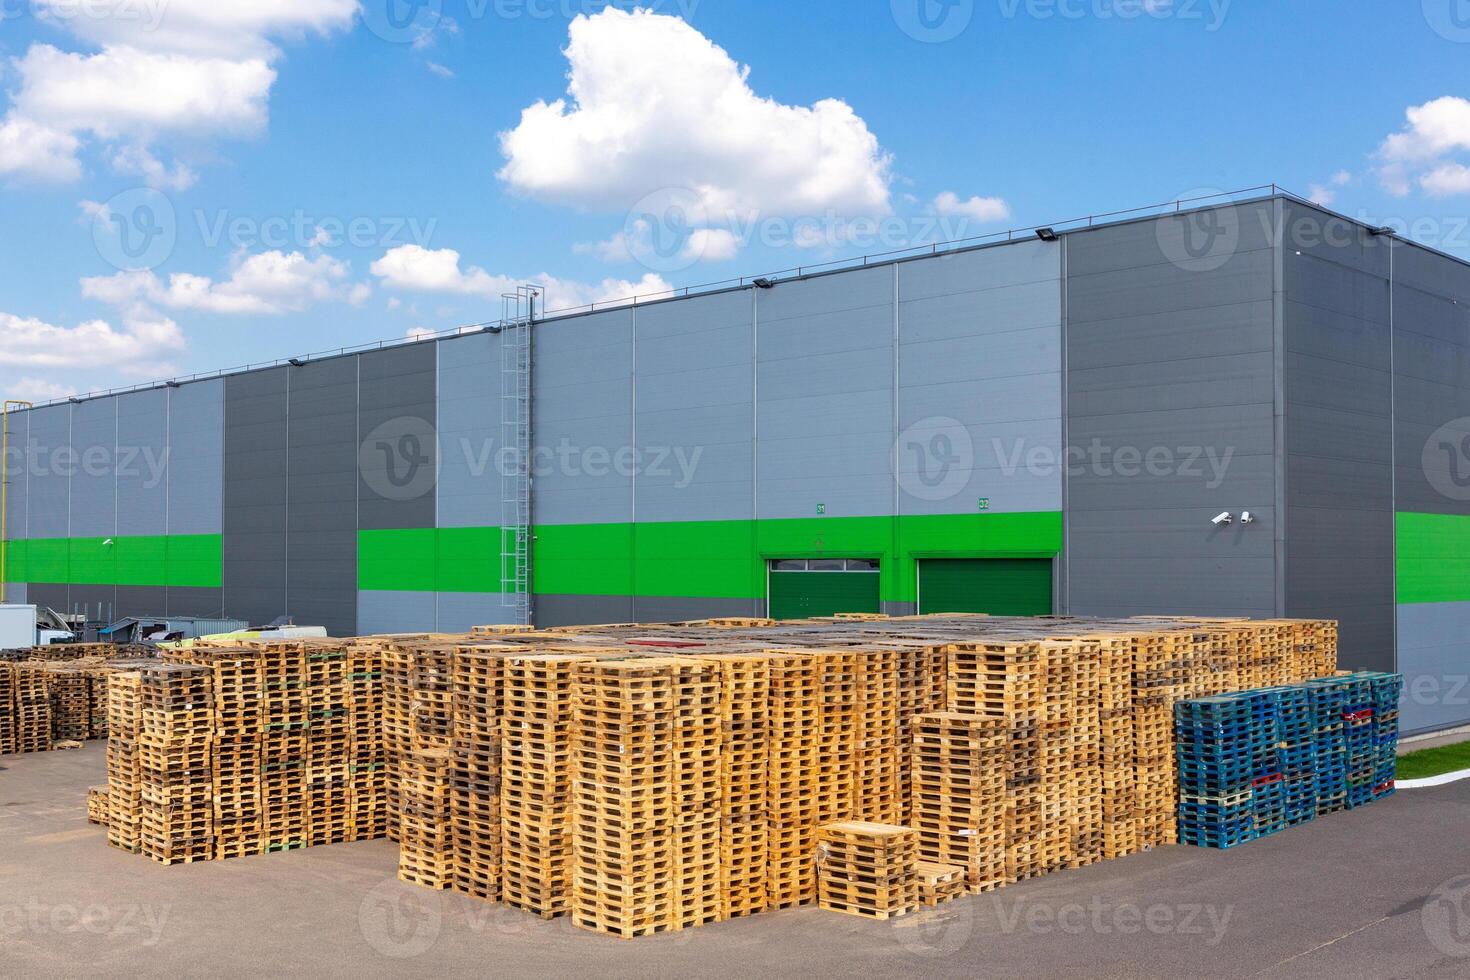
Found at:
(324, 174)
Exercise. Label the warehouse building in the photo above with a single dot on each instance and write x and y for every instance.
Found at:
(1257, 408)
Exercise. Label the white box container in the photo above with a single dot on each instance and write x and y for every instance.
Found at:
(17, 627)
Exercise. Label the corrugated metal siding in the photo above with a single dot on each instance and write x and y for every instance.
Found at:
(469, 431)
(142, 463)
(322, 496)
(980, 351)
(1339, 443)
(17, 470)
(254, 494)
(825, 387)
(50, 446)
(1175, 355)
(584, 404)
(196, 430)
(695, 417)
(397, 389)
(94, 479)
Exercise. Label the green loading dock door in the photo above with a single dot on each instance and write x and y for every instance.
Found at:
(998, 586)
(801, 589)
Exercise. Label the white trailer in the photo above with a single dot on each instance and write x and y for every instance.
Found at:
(17, 627)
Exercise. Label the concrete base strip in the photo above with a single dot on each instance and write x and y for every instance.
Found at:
(1431, 781)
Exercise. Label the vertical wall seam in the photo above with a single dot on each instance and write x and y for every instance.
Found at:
(755, 448)
(1393, 446)
(893, 533)
(1278, 368)
(633, 477)
(1064, 568)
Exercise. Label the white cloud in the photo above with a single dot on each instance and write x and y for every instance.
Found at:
(199, 27)
(417, 269)
(1421, 152)
(38, 151)
(1446, 180)
(653, 104)
(1342, 178)
(1321, 194)
(360, 293)
(949, 205)
(441, 70)
(137, 160)
(165, 68)
(141, 347)
(712, 245)
(32, 389)
(265, 283)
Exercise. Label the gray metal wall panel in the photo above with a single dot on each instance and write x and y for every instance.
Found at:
(134, 600)
(695, 409)
(678, 609)
(397, 390)
(470, 436)
(1339, 408)
(205, 603)
(15, 593)
(980, 351)
(395, 612)
(1434, 655)
(584, 403)
(583, 610)
(96, 602)
(17, 477)
(254, 495)
(321, 499)
(825, 388)
(52, 595)
(142, 464)
(196, 423)
(49, 467)
(94, 481)
(1168, 356)
(459, 612)
(1432, 363)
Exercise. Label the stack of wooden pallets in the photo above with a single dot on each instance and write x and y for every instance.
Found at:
(32, 708)
(791, 797)
(175, 743)
(939, 883)
(239, 695)
(124, 774)
(868, 869)
(474, 775)
(367, 767)
(397, 728)
(328, 744)
(959, 795)
(626, 877)
(838, 734)
(878, 796)
(286, 816)
(744, 756)
(697, 802)
(1115, 747)
(7, 708)
(425, 853)
(1085, 790)
(97, 804)
(536, 783)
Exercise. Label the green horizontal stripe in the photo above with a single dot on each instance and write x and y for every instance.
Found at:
(1433, 557)
(429, 560)
(180, 560)
(727, 559)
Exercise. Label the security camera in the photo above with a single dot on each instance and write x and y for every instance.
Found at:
(1247, 518)
(1221, 519)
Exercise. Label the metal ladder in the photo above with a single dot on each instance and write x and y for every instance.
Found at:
(518, 312)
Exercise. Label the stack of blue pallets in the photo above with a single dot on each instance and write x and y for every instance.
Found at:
(1257, 762)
